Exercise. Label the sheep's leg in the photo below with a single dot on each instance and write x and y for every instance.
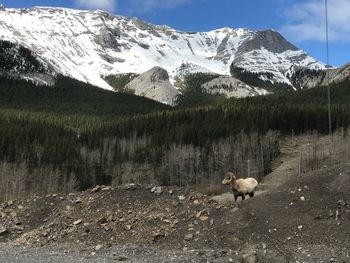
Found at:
(236, 196)
(251, 194)
(243, 197)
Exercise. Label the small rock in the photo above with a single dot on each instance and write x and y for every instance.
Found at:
(196, 202)
(96, 189)
(19, 228)
(128, 227)
(188, 237)
(300, 227)
(199, 213)
(77, 222)
(98, 247)
(153, 189)
(3, 231)
(249, 257)
(9, 202)
(318, 217)
(158, 190)
(122, 258)
(341, 203)
(45, 233)
(171, 192)
(234, 209)
(203, 218)
(157, 236)
(181, 197)
(102, 221)
(302, 198)
(130, 187)
(77, 201)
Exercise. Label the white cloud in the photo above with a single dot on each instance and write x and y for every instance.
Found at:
(144, 6)
(306, 21)
(108, 5)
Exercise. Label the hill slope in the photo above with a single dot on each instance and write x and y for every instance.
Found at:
(67, 98)
(177, 220)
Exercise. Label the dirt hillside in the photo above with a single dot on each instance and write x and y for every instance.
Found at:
(304, 219)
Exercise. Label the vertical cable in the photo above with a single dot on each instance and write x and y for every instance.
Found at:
(328, 88)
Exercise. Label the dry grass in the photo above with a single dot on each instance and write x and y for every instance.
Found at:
(324, 151)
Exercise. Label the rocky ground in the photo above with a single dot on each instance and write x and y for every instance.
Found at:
(305, 219)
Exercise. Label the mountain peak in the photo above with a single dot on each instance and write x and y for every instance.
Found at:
(87, 45)
(226, 29)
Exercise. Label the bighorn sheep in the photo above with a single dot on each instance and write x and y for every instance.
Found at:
(240, 187)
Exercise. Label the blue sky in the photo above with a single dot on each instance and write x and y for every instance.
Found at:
(300, 21)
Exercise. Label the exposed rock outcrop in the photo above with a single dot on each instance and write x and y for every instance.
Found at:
(269, 39)
(231, 87)
(306, 79)
(154, 84)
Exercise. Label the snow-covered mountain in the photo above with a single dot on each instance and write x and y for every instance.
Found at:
(88, 45)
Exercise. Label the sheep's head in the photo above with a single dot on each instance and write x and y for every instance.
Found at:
(229, 178)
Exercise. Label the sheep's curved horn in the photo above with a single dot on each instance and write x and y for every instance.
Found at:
(231, 176)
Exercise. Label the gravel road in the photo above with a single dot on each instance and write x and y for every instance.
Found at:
(10, 253)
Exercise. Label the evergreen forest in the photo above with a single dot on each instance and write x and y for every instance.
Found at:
(72, 136)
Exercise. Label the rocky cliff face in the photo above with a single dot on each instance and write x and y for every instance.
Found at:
(270, 40)
(306, 79)
(232, 87)
(336, 75)
(154, 84)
